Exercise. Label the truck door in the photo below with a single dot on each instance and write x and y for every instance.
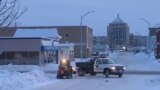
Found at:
(98, 66)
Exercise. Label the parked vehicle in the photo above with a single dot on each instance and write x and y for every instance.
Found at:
(64, 69)
(100, 65)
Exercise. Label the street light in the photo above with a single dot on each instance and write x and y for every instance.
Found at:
(81, 51)
(146, 21)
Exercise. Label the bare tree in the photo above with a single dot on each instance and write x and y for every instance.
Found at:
(9, 12)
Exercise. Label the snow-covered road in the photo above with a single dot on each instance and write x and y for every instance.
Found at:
(138, 62)
(99, 82)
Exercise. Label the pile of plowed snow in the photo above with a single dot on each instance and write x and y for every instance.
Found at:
(10, 80)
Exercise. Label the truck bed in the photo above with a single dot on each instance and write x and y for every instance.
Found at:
(84, 64)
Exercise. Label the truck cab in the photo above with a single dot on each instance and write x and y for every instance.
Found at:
(108, 67)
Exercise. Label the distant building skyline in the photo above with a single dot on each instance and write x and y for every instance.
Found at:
(118, 33)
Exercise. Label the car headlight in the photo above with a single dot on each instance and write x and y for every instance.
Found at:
(113, 68)
(64, 61)
(74, 68)
(124, 68)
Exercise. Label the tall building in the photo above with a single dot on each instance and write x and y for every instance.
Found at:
(118, 33)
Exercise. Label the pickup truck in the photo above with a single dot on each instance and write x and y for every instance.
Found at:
(100, 65)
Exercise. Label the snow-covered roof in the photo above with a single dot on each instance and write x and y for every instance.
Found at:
(65, 44)
(118, 20)
(37, 33)
(156, 26)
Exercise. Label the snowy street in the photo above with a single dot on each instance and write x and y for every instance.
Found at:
(79, 45)
(99, 82)
(141, 73)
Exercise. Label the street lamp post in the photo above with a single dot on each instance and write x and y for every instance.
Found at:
(81, 50)
(146, 21)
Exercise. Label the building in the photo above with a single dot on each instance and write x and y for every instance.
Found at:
(99, 43)
(152, 37)
(7, 32)
(153, 30)
(118, 34)
(138, 40)
(66, 51)
(72, 34)
(27, 51)
(36, 47)
(69, 34)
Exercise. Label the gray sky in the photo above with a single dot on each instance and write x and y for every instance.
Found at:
(68, 12)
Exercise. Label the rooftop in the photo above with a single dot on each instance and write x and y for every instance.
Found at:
(156, 26)
(37, 33)
(118, 20)
(25, 38)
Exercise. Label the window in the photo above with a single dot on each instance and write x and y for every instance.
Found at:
(33, 54)
(67, 35)
(11, 55)
(2, 55)
(98, 62)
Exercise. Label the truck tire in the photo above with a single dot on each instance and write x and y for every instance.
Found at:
(120, 75)
(92, 73)
(81, 72)
(106, 73)
(58, 77)
(68, 76)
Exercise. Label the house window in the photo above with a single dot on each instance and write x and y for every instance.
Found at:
(67, 35)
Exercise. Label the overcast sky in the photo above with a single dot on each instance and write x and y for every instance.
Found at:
(68, 12)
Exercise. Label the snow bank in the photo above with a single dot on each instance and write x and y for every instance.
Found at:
(139, 61)
(26, 68)
(14, 80)
(12, 67)
(50, 67)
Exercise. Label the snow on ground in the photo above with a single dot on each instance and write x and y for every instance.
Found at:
(139, 61)
(11, 80)
(10, 67)
(99, 82)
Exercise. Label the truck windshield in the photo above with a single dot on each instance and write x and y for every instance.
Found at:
(107, 61)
